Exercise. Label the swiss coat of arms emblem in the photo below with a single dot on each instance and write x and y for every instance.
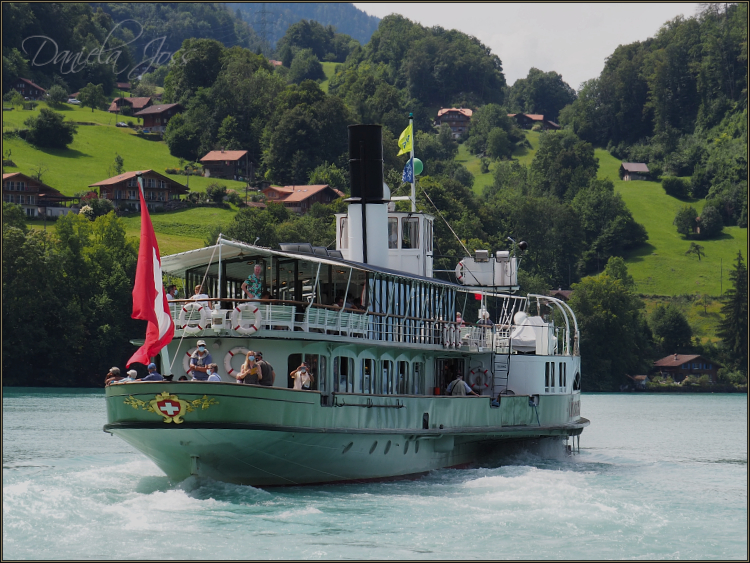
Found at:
(170, 407)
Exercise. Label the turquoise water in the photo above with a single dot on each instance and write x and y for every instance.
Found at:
(658, 477)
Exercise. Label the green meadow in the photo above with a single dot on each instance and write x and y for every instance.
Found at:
(88, 158)
(329, 69)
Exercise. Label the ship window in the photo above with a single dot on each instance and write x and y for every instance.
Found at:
(343, 374)
(552, 375)
(417, 381)
(403, 378)
(410, 232)
(546, 374)
(316, 365)
(577, 382)
(365, 376)
(392, 232)
(560, 375)
(428, 226)
(344, 233)
(384, 384)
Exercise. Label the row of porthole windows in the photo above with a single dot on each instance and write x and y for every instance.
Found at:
(386, 448)
(549, 377)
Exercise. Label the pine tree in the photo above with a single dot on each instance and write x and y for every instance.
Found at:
(733, 327)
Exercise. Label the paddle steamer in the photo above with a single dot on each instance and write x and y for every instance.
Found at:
(377, 408)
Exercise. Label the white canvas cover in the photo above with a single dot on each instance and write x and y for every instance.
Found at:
(524, 336)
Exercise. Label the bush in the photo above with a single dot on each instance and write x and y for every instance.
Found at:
(57, 95)
(49, 130)
(676, 187)
(685, 220)
(710, 222)
(484, 165)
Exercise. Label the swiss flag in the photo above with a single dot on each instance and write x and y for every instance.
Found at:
(149, 298)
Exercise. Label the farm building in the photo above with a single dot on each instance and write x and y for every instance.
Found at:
(155, 118)
(679, 366)
(300, 198)
(36, 198)
(458, 119)
(227, 164)
(634, 171)
(122, 190)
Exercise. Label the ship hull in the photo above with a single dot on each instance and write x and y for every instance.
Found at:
(261, 436)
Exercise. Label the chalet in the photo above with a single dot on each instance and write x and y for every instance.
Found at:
(29, 90)
(528, 120)
(227, 164)
(562, 294)
(36, 198)
(679, 366)
(634, 171)
(122, 190)
(300, 198)
(123, 86)
(135, 104)
(155, 118)
(458, 119)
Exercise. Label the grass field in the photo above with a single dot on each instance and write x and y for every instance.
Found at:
(660, 266)
(329, 69)
(702, 317)
(92, 151)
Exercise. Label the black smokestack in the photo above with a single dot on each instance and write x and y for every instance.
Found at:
(366, 162)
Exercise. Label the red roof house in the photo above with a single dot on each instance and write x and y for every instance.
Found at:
(29, 90)
(458, 119)
(679, 366)
(35, 197)
(122, 190)
(301, 198)
(155, 118)
(528, 120)
(227, 164)
(135, 104)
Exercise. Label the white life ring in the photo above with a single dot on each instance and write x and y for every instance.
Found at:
(460, 271)
(187, 329)
(237, 324)
(449, 335)
(228, 358)
(186, 360)
(483, 373)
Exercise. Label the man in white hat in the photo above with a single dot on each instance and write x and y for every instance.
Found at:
(113, 375)
(199, 362)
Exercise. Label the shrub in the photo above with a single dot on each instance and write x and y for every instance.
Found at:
(704, 380)
(676, 187)
(49, 130)
(710, 222)
(685, 220)
(484, 165)
(57, 95)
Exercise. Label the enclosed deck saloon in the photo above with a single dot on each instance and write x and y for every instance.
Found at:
(383, 340)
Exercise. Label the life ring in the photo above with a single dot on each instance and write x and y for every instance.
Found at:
(460, 271)
(186, 328)
(483, 373)
(186, 360)
(228, 358)
(449, 335)
(237, 313)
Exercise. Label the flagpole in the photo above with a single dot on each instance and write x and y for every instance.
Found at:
(413, 176)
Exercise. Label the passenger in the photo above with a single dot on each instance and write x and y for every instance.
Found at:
(484, 319)
(250, 371)
(113, 376)
(348, 303)
(171, 293)
(339, 303)
(212, 375)
(303, 379)
(183, 378)
(459, 388)
(253, 285)
(199, 362)
(268, 376)
(132, 375)
(266, 295)
(460, 320)
(153, 375)
(358, 304)
(199, 296)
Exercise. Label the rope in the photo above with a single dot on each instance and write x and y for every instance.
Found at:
(446, 222)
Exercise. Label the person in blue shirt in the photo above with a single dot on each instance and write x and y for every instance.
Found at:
(458, 387)
(212, 373)
(199, 362)
(153, 375)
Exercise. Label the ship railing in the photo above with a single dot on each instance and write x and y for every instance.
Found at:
(327, 319)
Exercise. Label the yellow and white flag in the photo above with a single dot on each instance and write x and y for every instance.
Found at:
(404, 141)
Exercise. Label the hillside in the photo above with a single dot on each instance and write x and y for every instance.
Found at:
(92, 151)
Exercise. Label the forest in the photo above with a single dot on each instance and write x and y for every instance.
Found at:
(663, 101)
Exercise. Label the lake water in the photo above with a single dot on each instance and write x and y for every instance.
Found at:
(657, 477)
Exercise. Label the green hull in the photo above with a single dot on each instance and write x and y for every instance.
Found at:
(264, 436)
